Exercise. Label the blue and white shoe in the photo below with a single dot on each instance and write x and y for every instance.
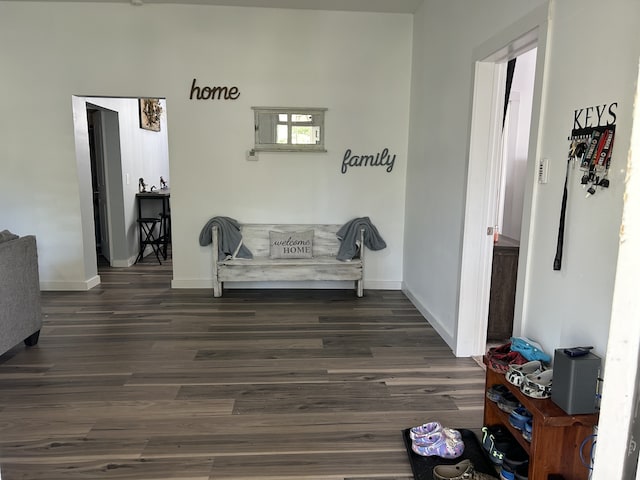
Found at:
(519, 417)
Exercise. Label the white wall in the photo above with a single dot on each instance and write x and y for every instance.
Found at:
(573, 306)
(559, 308)
(355, 64)
(619, 423)
(438, 143)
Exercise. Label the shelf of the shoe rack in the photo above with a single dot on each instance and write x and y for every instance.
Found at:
(517, 434)
(543, 410)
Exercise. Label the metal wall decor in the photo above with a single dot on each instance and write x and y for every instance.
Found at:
(591, 146)
(380, 159)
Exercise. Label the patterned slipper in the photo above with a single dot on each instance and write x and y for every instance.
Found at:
(442, 446)
(446, 433)
(538, 385)
(430, 428)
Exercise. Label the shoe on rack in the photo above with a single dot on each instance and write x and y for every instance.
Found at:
(508, 402)
(522, 472)
(529, 349)
(495, 392)
(427, 429)
(519, 417)
(496, 441)
(538, 385)
(528, 430)
(491, 433)
(460, 471)
(441, 445)
(506, 473)
(516, 373)
(514, 457)
(499, 358)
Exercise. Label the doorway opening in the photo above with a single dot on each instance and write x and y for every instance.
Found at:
(485, 175)
(114, 152)
(99, 185)
(511, 177)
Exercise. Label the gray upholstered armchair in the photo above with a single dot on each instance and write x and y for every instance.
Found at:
(20, 311)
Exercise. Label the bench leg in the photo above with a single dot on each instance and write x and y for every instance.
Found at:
(217, 289)
(359, 288)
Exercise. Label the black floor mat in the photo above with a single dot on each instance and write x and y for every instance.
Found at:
(422, 467)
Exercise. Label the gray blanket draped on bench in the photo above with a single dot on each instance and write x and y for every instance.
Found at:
(230, 240)
(348, 234)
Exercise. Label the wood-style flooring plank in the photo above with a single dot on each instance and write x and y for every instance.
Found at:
(134, 380)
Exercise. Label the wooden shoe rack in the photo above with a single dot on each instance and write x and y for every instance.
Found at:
(556, 437)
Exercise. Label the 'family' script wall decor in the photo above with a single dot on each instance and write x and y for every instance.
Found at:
(213, 93)
(380, 159)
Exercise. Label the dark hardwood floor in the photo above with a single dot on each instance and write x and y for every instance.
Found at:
(134, 380)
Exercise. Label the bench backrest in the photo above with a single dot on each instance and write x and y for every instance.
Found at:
(256, 237)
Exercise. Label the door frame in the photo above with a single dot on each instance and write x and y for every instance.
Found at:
(489, 61)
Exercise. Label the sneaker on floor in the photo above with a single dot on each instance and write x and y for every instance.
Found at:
(460, 471)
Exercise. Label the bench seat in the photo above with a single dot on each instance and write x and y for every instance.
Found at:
(322, 266)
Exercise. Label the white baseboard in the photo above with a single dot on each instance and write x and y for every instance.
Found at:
(208, 283)
(71, 286)
(194, 283)
(444, 333)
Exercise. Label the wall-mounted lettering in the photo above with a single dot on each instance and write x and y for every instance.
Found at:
(213, 93)
(596, 116)
(380, 159)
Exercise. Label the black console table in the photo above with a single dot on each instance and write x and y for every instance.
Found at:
(154, 231)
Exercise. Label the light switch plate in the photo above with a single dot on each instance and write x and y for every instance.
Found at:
(543, 170)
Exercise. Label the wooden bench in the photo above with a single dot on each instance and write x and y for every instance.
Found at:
(261, 268)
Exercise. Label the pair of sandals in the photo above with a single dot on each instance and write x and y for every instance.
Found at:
(532, 378)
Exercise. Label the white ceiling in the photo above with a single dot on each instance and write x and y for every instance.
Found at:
(382, 6)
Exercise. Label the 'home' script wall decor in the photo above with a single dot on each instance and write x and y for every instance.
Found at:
(213, 93)
(380, 159)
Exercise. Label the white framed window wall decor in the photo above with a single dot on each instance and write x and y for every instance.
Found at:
(289, 129)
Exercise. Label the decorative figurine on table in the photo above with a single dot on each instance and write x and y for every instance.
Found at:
(163, 184)
(142, 187)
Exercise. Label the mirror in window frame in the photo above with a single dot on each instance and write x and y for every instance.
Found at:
(289, 129)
